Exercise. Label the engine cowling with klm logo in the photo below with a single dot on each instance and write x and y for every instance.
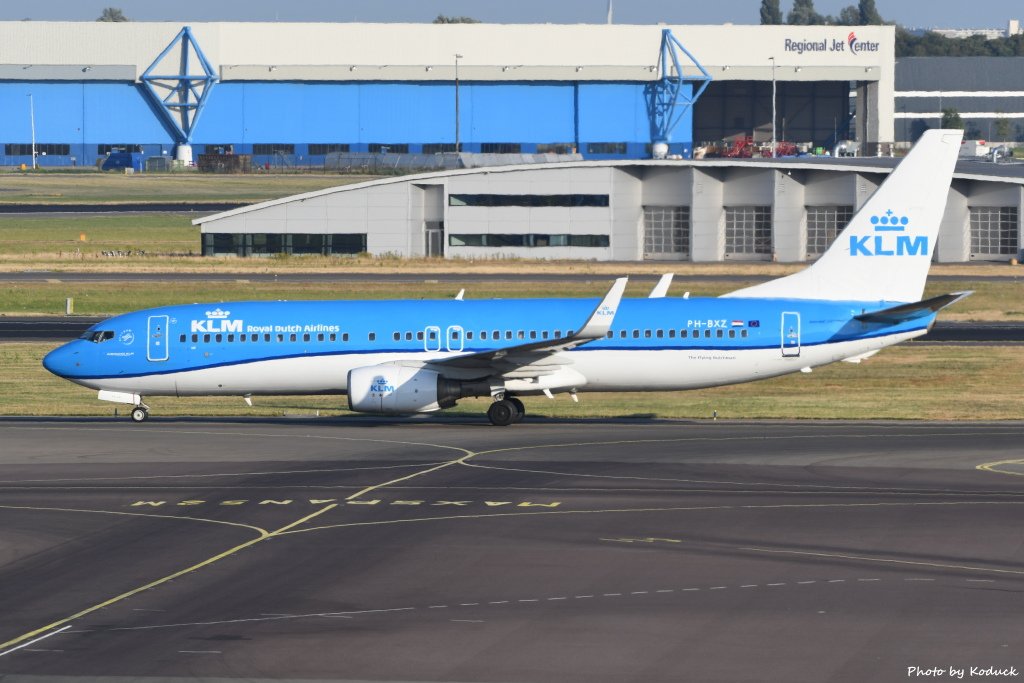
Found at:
(397, 390)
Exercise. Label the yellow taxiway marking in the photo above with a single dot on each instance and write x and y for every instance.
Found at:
(134, 514)
(467, 454)
(994, 467)
(702, 508)
(263, 536)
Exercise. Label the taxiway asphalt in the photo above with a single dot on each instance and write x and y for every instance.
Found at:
(448, 550)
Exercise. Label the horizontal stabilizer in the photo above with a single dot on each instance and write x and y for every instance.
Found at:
(920, 309)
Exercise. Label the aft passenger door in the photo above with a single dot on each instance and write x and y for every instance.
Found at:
(157, 347)
(790, 334)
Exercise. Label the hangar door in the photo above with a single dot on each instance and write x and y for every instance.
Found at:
(667, 232)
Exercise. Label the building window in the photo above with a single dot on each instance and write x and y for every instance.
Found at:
(994, 231)
(666, 231)
(111, 148)
(606, 148)
(42, 149)
(382, 148)
(823, 224)
(439, 148)
(500, 148)
(556, 148)
(529, 200)
(270, 148)
(354, 243)
(319, 148)
(305, 244)
(223, 244)
(531, 240)
(266, 243)
(748, 230)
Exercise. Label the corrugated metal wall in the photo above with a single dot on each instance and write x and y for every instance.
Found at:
(84, 115)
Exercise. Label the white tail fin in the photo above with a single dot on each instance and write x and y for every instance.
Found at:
(885, 251)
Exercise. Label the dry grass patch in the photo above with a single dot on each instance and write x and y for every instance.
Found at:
(905, 382)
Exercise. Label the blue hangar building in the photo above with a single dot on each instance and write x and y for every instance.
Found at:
(293, 91)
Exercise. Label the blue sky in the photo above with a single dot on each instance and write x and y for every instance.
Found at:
(925, 13)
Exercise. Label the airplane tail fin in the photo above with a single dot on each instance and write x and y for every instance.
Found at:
(885, 251)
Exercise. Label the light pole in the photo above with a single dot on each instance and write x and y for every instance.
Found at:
(458, 147)
(32, 121)
(773, 106)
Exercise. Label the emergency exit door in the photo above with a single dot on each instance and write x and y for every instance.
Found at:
(790, 334)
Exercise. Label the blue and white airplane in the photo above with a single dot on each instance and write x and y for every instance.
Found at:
(413, 356)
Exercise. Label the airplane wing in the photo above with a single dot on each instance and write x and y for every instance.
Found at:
(919, 309)
(535, 358)
(661, 289)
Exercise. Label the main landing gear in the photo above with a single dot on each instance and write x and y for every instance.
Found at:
(140, 414)
(506, 411)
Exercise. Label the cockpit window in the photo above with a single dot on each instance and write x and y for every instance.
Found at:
(97, 336)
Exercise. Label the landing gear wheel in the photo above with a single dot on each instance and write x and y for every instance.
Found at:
(502, 413)
(520, 408)
(139, 414)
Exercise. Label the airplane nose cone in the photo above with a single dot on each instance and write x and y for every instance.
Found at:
(61, 361)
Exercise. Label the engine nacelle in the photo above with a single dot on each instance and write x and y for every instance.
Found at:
(396, 389)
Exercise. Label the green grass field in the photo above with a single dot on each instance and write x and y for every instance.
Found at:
(992, 300)
(93, 187)
(904, 382)
(60, 237)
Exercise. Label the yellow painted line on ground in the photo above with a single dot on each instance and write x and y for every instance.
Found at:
(994, 467)
(844, 556)
(263, 536)
(434, 468)
(493, 515)
(135, 514)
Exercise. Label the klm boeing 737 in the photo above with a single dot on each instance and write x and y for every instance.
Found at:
(401, 357)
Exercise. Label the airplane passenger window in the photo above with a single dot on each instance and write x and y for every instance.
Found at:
(610, 334)
(533, 334)
(231, 337)
(432, 335)
(455, 334)
(521, 334)
(707, 334)
(558, 334)
(683, 334)
(372, 336)
(623, 334)
(743, 333)
(242, 337)
(280, 337)
(659, 333)
(732, 334)
(182, 338)
(219, 338)
(266, 337)
(408, 336)
(647, 334)
(483, 334)
(419, 336)
(469, 334)
(671, 334)
(508, 334)
(719, 333)
(544, 334)
(397, 336)
(636, 334)
(195, 338)
(291, 337)
(496, 335)
(320, 337)
(254, 338)
(333, 337)
(305, 337)
(344, 337)
(206, 339)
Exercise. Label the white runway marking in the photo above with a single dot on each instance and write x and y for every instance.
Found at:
(34, 641)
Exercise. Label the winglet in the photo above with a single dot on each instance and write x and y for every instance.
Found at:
(601, 319)
(462, 292)
(660, 290)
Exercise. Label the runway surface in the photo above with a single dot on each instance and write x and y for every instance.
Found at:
(447, 550)
(64, 328)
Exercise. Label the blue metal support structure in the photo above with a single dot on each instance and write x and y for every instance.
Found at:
(186, 92)
(667, 100)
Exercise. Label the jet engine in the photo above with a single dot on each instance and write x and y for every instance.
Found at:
(395, 389)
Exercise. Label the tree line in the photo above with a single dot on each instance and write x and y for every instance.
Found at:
(865, 13)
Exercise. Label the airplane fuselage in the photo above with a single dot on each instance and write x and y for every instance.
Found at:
(309, 347)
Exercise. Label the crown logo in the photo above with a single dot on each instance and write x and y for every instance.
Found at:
(890, 222)
(217, 313)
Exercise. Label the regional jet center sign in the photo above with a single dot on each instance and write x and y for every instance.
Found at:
(852, 45)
